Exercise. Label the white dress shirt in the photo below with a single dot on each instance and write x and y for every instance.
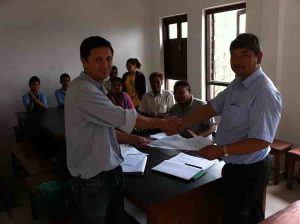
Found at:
(161, 103)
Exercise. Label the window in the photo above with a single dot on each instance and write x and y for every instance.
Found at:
(222, 25)
(175, 34)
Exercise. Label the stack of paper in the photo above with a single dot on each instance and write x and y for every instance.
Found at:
(134, 160)
(184, 166)
(178, 142)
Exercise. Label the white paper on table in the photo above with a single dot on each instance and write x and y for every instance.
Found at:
(129, 150)
(160, 135)
(177, 169)
(178, 142)
(134, 160)
(193, 160)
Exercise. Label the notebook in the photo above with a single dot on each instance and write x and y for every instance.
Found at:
(185, 166)
(134, 161)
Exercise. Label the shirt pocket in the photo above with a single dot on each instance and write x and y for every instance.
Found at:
(236, 116)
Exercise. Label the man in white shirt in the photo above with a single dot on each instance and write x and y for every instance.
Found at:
(93, 154)
(157, 102)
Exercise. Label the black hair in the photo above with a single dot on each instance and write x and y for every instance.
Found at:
(64, 76)
(246, 40)
(34, 79)
(134, 61)
(114, 67)
(156, 74)
(182, 83)
(93, 42)
(116, 79)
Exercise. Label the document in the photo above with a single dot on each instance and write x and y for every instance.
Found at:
(159, 135)
(178, 169)
(134, 161)
(195, 161)
(178, 142)
(185, 166)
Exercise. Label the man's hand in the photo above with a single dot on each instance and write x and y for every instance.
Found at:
(171, 125)
(139, 141)
(188, 133)
(211, 152)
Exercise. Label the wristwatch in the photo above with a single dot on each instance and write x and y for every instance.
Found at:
(225, 151)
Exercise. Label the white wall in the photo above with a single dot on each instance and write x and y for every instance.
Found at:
(43, 39)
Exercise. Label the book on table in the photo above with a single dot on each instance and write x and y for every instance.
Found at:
(134, 161)
(185, 166)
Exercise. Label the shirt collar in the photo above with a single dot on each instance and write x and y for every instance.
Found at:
(83, 75)
(251, 78)
(160, 93)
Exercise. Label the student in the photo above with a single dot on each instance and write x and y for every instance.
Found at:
(117, 96)
(112, 74)
(60, 93)
(157, 102)
(251, 109)
(187, 104)
(34, 100)
(93, 154)
(134, 81)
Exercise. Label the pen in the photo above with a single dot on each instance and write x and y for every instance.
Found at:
(193, 165)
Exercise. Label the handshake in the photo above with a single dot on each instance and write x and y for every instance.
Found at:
(171, 125)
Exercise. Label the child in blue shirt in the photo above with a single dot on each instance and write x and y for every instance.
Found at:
(60, 93)
(34, 100)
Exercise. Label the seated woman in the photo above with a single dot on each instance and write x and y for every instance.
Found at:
(117, 96)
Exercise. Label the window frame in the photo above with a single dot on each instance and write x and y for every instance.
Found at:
(209, 34)
(178, 19)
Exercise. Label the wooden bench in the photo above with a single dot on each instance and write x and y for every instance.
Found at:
(293, 157)
(279, 148)
(288, 215)
(23, 155)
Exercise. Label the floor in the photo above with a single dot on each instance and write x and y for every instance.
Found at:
(278, 196)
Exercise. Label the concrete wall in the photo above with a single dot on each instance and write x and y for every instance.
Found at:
(43, 38)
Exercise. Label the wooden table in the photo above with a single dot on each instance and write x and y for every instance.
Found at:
(288, 215)
(164, 198)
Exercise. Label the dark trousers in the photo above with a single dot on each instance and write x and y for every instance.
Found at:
(100, 199)
(244, 187)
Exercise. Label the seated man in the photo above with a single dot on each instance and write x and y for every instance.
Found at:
(60, 93)
(157, 102)
(186, 104)
(34, 100)
(108, 82)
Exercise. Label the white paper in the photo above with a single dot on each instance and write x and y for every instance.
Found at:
(134, 160)
(128, 149)
(193, 160)
(178, 142)
(137, 168)
(177, 169)
(159, 135)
